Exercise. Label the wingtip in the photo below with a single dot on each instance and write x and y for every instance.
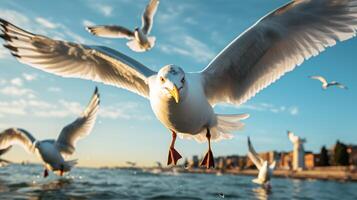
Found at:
(5, 36)
(11, 48)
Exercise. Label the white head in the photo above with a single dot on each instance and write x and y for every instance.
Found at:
(172, 82)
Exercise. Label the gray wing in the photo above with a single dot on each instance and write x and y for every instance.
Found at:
(111, 31)
(68, 59)
(148, 16)
(80, 128)
(319, 78)
(256, 159)
(16, 136)
(275, 45)
(337, 84)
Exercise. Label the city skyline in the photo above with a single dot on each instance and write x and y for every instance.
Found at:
(126, 128)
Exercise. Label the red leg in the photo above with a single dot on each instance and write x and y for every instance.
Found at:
(208, 160)
(61, 171)
(174, 156)
(45, 173)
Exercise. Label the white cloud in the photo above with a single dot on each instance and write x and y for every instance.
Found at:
(104, 9)
(16, 107)
(46, 23)
(294, 110)
(54, 89)
(86, 23)
(4, 53)
(3, 81)
(15, 91)
(266, 107)
(186, 45)
(16, 81)
(126, 111)
(15, 17)
(29, 77)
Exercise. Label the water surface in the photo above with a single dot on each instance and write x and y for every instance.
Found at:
(26, 182)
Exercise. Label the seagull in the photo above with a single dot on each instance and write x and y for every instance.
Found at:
(140, 40)
(53, 152)
(325, 84)
(131, 164)
(265, 170)
(183, 101)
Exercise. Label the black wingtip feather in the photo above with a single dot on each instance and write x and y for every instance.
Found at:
(6, 37)
(96, 90)
(11, 48)
(15, 55)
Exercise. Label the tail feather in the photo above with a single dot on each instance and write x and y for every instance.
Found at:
(222, 130)
(68, 165)
(133, 45)
(152, 40)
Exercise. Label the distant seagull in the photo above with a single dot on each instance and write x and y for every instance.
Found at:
(131, 164)
(139, 39)
(183, 102)
(265, 170)
(53, 152)
(325, 84)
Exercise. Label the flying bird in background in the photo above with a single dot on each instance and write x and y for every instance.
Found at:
(183, 101)
(53, 152)
(326, 85)
(140, 40)
(265, 170)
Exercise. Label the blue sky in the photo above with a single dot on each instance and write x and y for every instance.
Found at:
(189, 34)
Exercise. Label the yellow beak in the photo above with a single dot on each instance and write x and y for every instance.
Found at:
(175, 94)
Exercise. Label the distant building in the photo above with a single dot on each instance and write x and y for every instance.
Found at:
(285, 160)
(220, 162)
(311, 160)
(242, 162)
(232, 162)
(194, 163)
(352, 152)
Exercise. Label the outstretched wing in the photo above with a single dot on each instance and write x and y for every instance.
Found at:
(16, 136)
(256, 159)
(68, 59)
(339, 85)
(80, 128)
(148, 16)
(110, 31)
(272, 165)
(275, 45)
(319, 78)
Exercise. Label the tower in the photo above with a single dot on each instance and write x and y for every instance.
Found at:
(298, 151)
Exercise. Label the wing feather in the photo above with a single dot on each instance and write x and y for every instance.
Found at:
(252, 154)
(275, 45)
(16, 136)
(148, 16)
(69, 59)
(320, 78)
(111, 31)
(80, 128)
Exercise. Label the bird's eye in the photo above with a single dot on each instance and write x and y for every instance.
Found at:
(162, 79)
(183, 80)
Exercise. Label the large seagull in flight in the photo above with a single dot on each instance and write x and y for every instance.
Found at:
(183, 101)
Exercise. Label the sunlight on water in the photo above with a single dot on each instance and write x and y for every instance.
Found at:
(26, 182)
